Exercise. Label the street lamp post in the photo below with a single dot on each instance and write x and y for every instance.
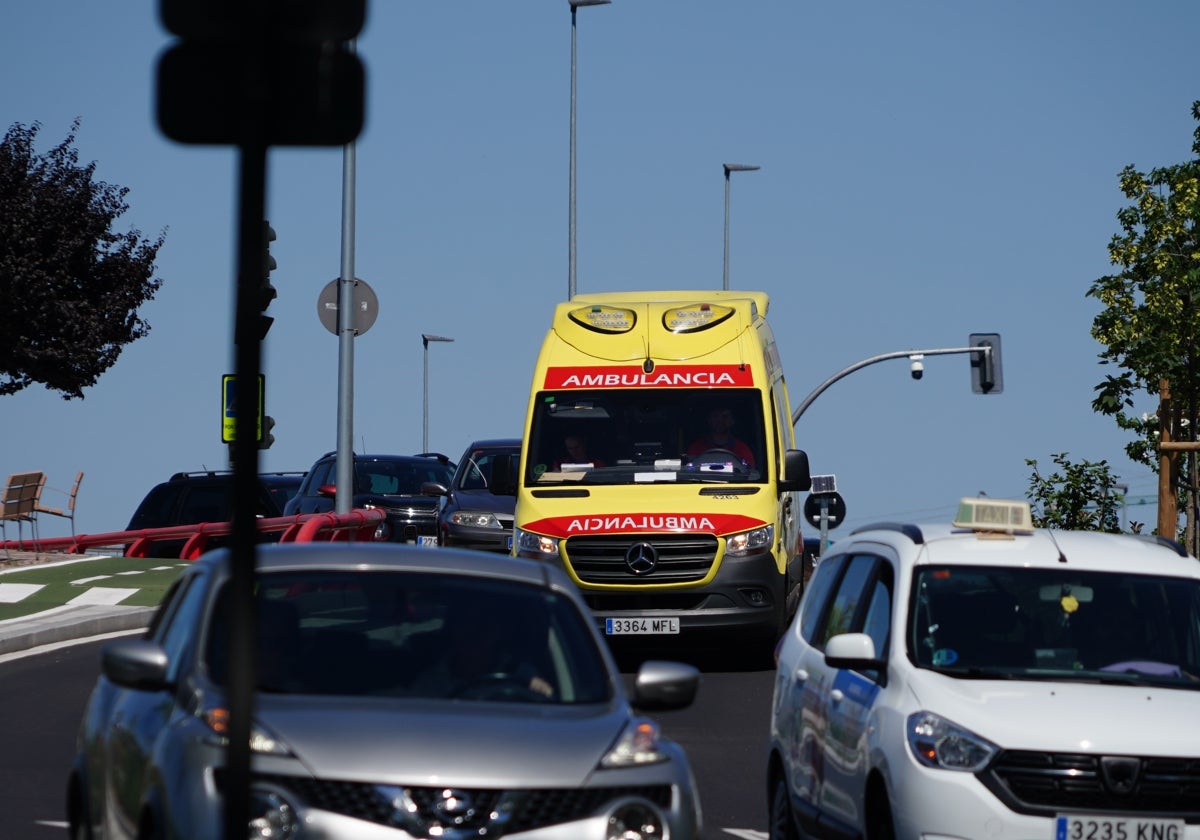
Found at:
(425, 339)
(731, 167)
(574, 4)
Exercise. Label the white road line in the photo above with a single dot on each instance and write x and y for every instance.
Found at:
(746, 833)
(83, 581)
(102, 595)
(10, 593)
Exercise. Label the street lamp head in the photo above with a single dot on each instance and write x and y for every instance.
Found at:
(739, 167)
(575, 4)
(426, 338)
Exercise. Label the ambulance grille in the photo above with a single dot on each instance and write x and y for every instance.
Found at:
(678, 558)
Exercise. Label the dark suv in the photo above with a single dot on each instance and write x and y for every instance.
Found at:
(390, 482)
(188, 498)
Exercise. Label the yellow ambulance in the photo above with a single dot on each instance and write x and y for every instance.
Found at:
(658, 466)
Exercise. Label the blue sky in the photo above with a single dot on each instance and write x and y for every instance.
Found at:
(929, 170)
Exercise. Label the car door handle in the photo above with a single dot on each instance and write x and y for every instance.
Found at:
(837, 696)
(800, 676)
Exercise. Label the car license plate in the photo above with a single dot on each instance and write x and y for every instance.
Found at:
(427, 542)
(649, 626)
(1092, 827)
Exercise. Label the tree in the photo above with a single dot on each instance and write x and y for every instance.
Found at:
(1081, 497)
(1150, 326)
(71, 285)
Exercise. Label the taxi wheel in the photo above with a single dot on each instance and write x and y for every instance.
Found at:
(781, 824)
(879, 816)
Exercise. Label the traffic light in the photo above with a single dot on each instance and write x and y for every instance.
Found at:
(266, 292)
(265, 438)
(986, 377)
(251, 71)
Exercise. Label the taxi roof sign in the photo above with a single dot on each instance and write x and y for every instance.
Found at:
(994, 515)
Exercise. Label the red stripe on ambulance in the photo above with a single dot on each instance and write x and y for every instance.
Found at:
(663, 376)
(718, 524)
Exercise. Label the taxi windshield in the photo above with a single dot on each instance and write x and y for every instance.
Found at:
(994, 621)
(671, 435)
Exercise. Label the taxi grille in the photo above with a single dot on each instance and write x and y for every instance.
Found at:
(1048, 783)
(679, 558)
(536, 808)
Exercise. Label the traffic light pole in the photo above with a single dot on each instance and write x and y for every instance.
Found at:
(983, 349)
(248, 364)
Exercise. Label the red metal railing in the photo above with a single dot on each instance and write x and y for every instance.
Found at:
(356, 526)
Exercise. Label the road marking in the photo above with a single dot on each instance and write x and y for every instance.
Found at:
(10, 593)
(102, 595)
(747, 833)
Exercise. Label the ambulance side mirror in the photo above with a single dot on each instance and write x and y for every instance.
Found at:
(796, 475)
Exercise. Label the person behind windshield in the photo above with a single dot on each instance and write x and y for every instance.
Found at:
(479, 658)
(577, 452)
(720, 436)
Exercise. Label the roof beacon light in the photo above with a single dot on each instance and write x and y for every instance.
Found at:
(995, 516)
(604, 319)
(696, 317)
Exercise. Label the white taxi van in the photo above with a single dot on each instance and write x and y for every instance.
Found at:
(987, 679)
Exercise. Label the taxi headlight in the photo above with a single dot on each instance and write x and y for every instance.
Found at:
(936, 742)
(535, 545)
(475, 519)
(750, 542)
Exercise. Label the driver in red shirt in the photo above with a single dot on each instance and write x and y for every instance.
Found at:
(720, 436)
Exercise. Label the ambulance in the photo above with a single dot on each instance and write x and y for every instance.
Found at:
(669, 525)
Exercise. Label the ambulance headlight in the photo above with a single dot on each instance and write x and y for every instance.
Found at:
(535, 546)
(750, 542)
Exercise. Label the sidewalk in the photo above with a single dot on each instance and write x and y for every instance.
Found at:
(64, 623)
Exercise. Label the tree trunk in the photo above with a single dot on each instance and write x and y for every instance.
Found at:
(1168, 511)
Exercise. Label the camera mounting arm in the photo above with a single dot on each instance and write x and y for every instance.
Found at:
(985, 350)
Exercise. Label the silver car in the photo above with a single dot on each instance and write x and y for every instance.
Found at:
(401, 693)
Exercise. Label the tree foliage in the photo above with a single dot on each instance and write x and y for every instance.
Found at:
(71, 285)
(1078, 497)
(1150, 326)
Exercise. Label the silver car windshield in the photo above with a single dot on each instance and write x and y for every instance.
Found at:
(990, 622)
(416, 635)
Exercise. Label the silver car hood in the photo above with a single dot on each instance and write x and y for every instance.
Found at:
(422, 742)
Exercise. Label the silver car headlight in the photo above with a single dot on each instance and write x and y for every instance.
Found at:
(936, 742)
(272, 815)
(750, 542)
(262, 740)
(535, 545)
(635, 819)
(640, 743)
(475, 519)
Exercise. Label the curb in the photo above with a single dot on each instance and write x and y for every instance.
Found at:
(67, 623)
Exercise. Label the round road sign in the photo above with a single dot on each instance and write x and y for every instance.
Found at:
(366, 306)
(835, 509)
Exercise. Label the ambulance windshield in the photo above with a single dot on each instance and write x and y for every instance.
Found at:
(638, 436)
